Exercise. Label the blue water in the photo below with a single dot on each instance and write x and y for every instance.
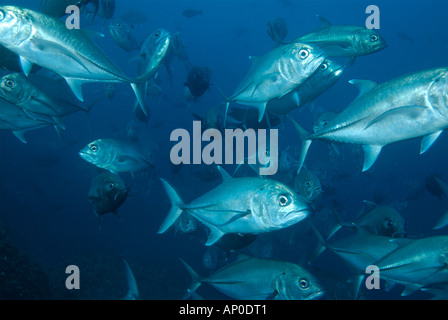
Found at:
(44, 183)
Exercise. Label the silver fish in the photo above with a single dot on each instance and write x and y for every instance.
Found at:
(46, 41)
(17, 89)
(115, 156)
(275, 74)
(320, 81)
(18, 122)
(251, 278)
(344, 41)
(123, 35)
(410, 106)
(417, 264)
(240, 205)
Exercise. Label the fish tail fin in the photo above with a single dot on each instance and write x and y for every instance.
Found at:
(305, 142)
(132, 284)
(195, 283)
(140, 98)
(176, 204)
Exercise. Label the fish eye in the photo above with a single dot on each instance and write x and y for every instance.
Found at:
(389, 224)
(324, 122)
(10, 83)
(324, 66)
(308, 183)
(373, 37)
(157, 34)
(111, 186)
(93, 147)
(303, 54)
(303, 283)
(119, 25)
(283, 200)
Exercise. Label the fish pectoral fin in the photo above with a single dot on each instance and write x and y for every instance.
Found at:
(26, 65)
(20, 134)
(214, 236)
(237, 215)
(371, 152)
(428, 140)
(76, 86)
(363, 86)
(261, 110)
(270, 77)
(401, 113)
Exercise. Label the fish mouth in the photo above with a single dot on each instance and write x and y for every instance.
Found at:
(297, 214)
(315, 295)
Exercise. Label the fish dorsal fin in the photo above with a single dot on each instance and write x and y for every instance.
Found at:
(225, 176)
(324, 23)
(76, 87)
(363, 86)
(371, 152)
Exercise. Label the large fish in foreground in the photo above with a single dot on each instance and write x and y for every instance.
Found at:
(115, 155)
(240, 205)
(251, 278)
(46, 41)
(344, 40)
(407, 107)
(275, 74)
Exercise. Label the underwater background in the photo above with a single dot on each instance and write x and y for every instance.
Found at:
(47, 223)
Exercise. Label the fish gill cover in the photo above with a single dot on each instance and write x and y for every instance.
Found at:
(115, 159)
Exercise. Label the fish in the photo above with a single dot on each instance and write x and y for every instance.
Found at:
(10, 61)
(44, 40)
(344, 40)
(18, 122)
(123, 35)
(380, 220)
(213, 118)
(278, 30)
(115, 156)
(407, 107)
(152, 54)
(186, 223)
(107, 193)
(307, 185)
(239, 205)
(416, 264)
(250, 278)
(275, 74)
(18, 89)
(190, 13)
(198, 81)
(323, 120)
(320, 81)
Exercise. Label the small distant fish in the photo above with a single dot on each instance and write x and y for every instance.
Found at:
(277, 30)
(186, 223)
(107, 193)
(307, 185)
(115, 156)
(198, 81)
(404, 36)
(190, 13)
(251, 278)
(123, 35)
